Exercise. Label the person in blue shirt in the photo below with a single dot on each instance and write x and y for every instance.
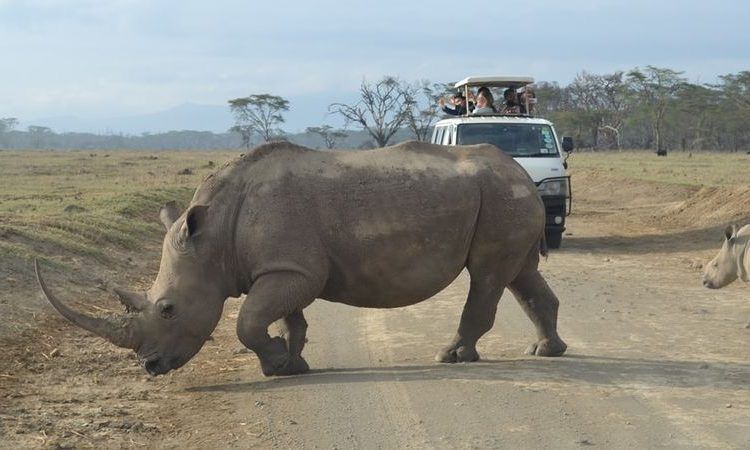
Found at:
(459, 105)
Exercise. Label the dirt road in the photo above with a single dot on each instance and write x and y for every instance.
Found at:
(654, 361)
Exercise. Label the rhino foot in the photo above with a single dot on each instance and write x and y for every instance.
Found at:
(547, 347)
(276, 360)
(294, 366)
(459, 354)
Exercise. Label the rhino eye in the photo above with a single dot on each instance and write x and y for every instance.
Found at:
(166, 309)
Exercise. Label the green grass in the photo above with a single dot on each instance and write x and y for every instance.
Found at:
(686, 168)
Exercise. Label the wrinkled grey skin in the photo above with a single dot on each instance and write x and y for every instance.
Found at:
(379, 229)
(731, 262)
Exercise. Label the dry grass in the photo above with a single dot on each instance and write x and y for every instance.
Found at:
(82, 203)
(686, 168)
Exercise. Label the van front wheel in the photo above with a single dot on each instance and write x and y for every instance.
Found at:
(554, 239)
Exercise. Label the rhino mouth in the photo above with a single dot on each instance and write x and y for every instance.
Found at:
(155, 365)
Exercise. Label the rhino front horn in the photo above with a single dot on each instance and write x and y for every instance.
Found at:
(118, 330)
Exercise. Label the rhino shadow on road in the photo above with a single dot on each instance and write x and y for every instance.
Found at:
(679, 241)
(575, 369)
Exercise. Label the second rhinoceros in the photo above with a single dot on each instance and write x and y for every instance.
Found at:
(732, 261)
(379, 229)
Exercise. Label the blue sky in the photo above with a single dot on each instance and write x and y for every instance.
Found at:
(93, 58)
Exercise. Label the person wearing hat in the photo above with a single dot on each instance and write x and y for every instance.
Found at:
(459, 105)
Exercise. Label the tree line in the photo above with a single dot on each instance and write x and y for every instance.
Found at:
(649, 108)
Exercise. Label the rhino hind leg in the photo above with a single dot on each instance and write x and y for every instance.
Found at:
(293, 328)
(272, 297)
(540, 304)
(477, 318)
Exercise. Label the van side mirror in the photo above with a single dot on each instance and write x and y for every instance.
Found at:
(567, 144)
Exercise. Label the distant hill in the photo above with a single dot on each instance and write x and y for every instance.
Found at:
(304, 111)
(188, 116)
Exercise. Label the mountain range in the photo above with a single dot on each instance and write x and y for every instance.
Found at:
(306, 111)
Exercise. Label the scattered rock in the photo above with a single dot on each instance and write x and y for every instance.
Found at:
(703, 366)
(210, 164)
(55, 353)
(241, 351)
(748, 326)
(584, 442)
(72, 209)
(728, 405)
(259, 404)
(185, 171)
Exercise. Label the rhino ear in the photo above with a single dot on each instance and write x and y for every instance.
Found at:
(195, 221)
(729, 232)
(168, 214)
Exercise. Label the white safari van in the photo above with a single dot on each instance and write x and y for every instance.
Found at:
(531, 141)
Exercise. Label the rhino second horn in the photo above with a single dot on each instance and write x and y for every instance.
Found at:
(133, 302)
(118, 330)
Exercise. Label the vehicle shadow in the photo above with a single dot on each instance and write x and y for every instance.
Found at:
(572, 369)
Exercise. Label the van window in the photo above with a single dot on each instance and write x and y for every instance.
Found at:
(517, 139)
(447, 136)
(438, 139)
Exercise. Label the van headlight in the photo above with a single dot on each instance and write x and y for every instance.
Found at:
(554, 187)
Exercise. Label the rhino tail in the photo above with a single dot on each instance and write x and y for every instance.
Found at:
(543, 250)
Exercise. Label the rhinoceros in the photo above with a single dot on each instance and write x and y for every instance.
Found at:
(731, 262)
(381, 228)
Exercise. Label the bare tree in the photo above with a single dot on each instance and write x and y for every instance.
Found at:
(382, 109)
(601, 101)
(258, 114)
(328, 134)
(422, 113)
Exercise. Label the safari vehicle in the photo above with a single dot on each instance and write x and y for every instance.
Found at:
(531, 141)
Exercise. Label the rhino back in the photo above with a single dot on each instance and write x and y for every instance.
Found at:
(380, 228)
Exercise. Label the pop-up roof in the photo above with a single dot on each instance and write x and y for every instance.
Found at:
(506, 82)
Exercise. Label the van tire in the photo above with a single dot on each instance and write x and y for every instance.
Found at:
(554, 239)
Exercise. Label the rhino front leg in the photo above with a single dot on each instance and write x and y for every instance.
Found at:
(272, 297)
(540, 304)
(477, 318)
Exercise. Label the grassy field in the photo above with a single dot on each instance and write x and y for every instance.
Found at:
(687, 168)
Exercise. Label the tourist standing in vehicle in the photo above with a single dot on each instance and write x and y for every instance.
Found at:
(484, 102)
(511, 102)
(459, 105)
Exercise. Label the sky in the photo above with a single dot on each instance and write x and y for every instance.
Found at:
(110, 58)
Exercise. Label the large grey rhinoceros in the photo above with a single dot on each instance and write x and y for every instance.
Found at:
(378, 229)
(732, 261)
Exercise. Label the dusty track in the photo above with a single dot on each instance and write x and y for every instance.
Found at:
(654, 360)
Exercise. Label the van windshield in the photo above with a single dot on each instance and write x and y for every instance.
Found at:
(516, 139)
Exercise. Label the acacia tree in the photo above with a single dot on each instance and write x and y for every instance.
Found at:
(258, 114)
(382, 109)
(328, 134)
(735, 94)
(655, 88)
